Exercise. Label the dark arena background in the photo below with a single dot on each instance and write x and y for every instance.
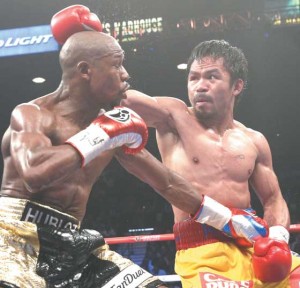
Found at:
(157, 35)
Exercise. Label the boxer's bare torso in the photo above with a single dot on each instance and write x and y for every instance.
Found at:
(43, 123)
(38, 165)
(217, 164)
(203, 143)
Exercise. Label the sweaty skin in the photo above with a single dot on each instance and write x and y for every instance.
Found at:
(203, 143)
(38, 165)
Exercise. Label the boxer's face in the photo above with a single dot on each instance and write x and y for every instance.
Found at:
(209, 88)
(109, 81)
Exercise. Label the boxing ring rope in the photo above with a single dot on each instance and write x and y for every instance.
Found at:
(139, 238)
(163, 237)
(294, 228)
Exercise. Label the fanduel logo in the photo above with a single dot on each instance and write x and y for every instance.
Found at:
(210, 280)
(130, 277)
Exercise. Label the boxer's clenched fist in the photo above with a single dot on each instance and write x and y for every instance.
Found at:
(240, 224)
(73, 19)
(120, 127)
(272, 257)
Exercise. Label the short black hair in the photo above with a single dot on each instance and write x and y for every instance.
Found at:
(234, 59)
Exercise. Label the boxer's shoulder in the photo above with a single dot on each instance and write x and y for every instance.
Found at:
(34, 115)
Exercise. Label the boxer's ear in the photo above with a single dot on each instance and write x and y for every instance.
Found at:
(238, 87)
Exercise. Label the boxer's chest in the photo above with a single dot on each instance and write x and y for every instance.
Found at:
(230, 156)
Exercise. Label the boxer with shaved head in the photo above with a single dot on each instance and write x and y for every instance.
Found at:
(54, 150)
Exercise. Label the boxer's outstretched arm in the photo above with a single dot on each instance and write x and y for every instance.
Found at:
(170, 185)
(181, 194)
(155, 111)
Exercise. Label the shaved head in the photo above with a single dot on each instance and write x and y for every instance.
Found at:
(87, 46)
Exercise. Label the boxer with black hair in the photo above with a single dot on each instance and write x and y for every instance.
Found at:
(225, 240)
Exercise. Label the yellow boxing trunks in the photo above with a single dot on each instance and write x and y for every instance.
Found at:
(205, 258)
(38, 243)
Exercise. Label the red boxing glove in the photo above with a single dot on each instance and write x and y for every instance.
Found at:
(272, 259)
(240, 224)
(246, 227)
(73, 19)
(120, 127)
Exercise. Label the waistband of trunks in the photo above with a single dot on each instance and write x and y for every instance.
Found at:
(190, 234)
(41, 215)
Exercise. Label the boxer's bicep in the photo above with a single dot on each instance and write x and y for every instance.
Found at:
(36, 160)
(263, 178)
(266, 185)
(153, 110)
(27, 136)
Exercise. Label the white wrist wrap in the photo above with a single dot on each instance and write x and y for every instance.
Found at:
(213, 213)
(278, 232)
(90, 142)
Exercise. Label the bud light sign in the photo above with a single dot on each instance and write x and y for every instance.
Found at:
(27, 40)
